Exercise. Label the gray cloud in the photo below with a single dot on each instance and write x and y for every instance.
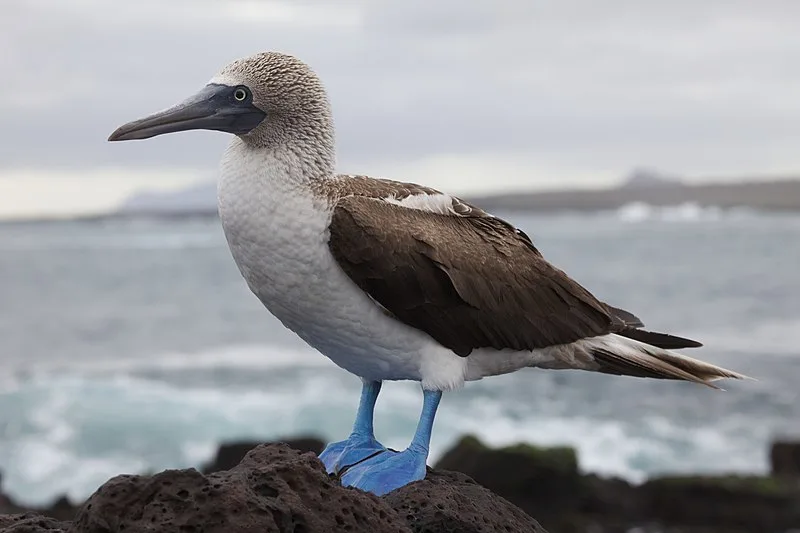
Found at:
(582, 86)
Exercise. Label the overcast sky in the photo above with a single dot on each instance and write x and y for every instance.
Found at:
(468, 96)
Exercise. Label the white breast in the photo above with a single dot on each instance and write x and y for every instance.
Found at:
(277, 232)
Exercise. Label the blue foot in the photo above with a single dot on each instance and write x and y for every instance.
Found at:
(339, 455)
(361, 444)
(387, 471)
(391, 470)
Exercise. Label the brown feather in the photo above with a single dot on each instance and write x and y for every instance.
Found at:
(469, 282)
(662, 340)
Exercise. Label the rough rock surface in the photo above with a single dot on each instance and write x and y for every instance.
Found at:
(31, 523)
(450, 502)
(545, 483)
(273, 489)
(278, 489)
(231, 454)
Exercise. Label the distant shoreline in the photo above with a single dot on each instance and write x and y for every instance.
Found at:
(766, 196)
(762, 196)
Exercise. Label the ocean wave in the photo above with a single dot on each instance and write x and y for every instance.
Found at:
(255, 358)
(154, 241)
(630, 448)
(685, 212)
(68, 433)
(774, 337)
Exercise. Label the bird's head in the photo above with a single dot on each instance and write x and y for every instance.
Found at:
(257, 98)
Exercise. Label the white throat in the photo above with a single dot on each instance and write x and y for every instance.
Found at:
(265, 203)
(271, 218)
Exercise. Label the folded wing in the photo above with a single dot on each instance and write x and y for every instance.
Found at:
(467, 281)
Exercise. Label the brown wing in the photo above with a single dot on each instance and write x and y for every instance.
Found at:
(469, 282)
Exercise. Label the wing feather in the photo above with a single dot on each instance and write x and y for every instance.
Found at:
(467, 281)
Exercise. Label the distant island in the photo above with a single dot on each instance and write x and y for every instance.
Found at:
(200, 199)
(652, 188)
(641, 186)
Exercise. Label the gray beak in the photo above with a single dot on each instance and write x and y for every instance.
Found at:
(213, 108)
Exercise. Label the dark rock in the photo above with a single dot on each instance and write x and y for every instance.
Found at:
(544, 482)
(230, 454)
(278, 489)
(273, 489)
(61, 509)
(31, 523)
(785, 459)
(547, 484)
(727, 503)
(227, 457)
(612, 502)
(449, 502)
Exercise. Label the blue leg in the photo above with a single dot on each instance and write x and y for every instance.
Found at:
(390, 470)
(361, 443)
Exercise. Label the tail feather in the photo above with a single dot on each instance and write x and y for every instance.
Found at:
(660, 340)
(621, 355)
(629, 325)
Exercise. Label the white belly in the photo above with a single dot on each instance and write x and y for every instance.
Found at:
(278, 238)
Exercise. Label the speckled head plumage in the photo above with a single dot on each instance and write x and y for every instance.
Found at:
(287, 90)
(266, 99)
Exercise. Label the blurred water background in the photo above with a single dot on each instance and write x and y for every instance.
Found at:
(133, 344)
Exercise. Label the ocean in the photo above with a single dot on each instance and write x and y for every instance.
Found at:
(132, 345)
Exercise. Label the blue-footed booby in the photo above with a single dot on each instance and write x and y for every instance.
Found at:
(392, 280)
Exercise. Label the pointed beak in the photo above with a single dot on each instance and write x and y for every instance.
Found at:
(213, 108)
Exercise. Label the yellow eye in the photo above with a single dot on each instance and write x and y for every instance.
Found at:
(240, 95)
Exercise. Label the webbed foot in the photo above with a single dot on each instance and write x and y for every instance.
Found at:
(339, 455)
(387, 471)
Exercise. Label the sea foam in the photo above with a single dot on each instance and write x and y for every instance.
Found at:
(69, 430)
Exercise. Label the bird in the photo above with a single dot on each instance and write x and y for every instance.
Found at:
(392, 280)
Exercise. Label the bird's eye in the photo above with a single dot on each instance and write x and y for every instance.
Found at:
(240, 94)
